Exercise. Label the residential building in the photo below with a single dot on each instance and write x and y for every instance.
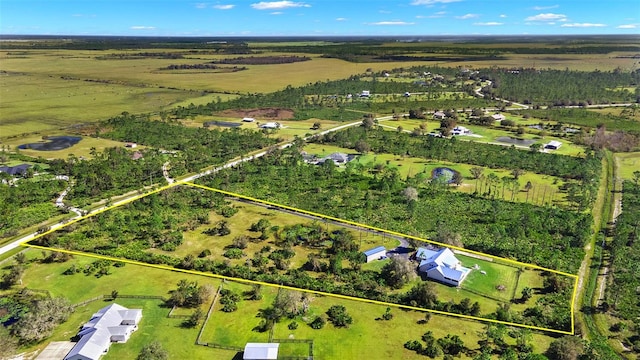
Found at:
(112, 323)
(441, 265)
(498, 117)
(439, 115)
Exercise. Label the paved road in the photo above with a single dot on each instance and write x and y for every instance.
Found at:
(136, 194)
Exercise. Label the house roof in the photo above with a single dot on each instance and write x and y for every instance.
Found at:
(261, 351)
(554, 143)
(15, 170)
(91, 345)
(439, 113)
(498, 116)
(95, 335)
(443, 261)
(374, 250)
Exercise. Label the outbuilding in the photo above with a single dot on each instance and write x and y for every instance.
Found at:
(248, 119)
(376, 253)
(553, 145)
(261, 351)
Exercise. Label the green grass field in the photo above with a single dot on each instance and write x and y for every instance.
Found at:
(627, 164)
(496, 275)
(195, 241)
(545, 187)
(233, 329)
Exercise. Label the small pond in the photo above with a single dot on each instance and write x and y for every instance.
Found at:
(53, 143)
(514, 141)
(443, 174)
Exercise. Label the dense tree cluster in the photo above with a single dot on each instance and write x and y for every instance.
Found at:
(262, 60)
(562, 87)
(625, 249)
(551, 237)
(27, 204)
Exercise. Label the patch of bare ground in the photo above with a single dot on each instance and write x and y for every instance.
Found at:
(260, 113)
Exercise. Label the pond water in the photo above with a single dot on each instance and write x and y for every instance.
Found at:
(443, 174)
(514, 141)
(53, 143)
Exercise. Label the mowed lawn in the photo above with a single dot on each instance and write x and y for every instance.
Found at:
(130, 280)
(627, 163)
(235, 329)
(496, 275)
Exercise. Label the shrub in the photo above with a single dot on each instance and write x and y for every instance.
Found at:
(204, 253)
(317, 323)
(293, 325)
(233, 253)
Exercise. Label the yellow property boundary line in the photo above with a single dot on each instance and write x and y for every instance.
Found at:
(246, 281)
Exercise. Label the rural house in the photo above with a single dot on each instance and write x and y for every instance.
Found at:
(375, 253)
(553, 145)
(271, 125)
(439, 115)
(498, 117)
(113, 323)
(260, 351)
(442, 266)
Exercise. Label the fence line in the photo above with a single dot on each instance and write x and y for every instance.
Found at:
(206, 319)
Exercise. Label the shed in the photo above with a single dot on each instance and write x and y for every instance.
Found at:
(498, 117)
(260, 351)
(365, 93)
(439, 115)
(248, 119)
(375, 253)
(553, 145)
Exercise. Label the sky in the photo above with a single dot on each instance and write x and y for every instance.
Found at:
(318, 17)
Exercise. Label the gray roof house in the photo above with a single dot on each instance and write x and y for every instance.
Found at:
(112, 323)
(15, 170)
(260, 351)
(442, 266)
(553, 145)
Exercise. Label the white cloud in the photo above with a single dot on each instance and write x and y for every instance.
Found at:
(341, 19)
(437, 15)
(547, 17)
(224, 7)
(384, 11)
(382, 23)
(491, 23)
(272, 5)
(201, 6)
(583, 25)
(628, 26)
(432, 2)
(467, 16)
(538, 8)
(276, 13)
(138, 27)
(503, 16)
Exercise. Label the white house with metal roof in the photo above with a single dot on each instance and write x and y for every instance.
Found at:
(376, 253)
(442, 265)
(112, 323)
(261, 351)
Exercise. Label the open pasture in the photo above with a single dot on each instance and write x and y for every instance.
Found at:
(37, 102)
